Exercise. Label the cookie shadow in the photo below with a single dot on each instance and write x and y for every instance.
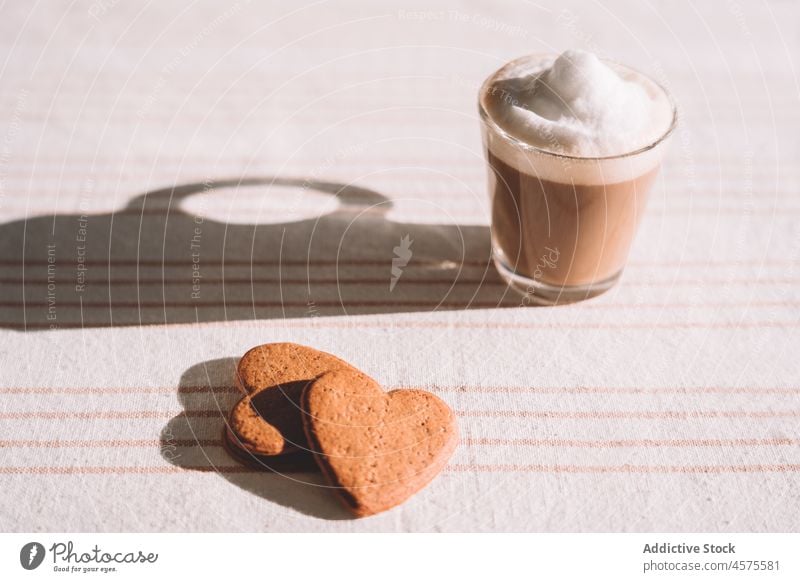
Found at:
(194, 440)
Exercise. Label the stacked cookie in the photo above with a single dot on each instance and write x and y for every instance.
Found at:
(376, 448)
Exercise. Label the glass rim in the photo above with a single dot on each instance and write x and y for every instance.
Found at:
(487, 119)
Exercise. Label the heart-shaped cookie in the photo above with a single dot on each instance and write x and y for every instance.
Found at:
(267, 420)
(377, 448)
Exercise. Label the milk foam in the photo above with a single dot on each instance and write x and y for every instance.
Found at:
(579, 106)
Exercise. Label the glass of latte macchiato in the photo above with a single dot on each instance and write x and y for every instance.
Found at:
(574, 144)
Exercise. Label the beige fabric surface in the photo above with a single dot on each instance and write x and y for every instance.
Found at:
(182, 182)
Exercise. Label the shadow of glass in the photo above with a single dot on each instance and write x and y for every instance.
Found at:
(155, 263)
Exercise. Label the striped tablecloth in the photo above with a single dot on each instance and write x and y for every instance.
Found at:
(181, 182)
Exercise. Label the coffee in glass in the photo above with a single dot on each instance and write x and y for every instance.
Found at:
(574, 145)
